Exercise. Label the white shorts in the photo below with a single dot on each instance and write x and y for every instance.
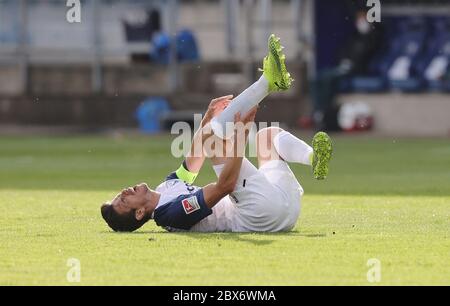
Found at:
(265, 200)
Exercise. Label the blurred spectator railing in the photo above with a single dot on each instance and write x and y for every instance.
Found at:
(36, 31)
(51, 38)
(33, 31)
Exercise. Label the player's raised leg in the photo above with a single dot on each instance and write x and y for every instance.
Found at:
(323, 151)
(275, 78)
(276, 144)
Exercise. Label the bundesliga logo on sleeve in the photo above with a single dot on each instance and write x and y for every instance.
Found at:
(190, 205)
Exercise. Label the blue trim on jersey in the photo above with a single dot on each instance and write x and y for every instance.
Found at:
(183, 212)
(172, 176)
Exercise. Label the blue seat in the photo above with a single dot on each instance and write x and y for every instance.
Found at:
(420, 40)
(160, 52)
(438, 45)
(408, 43)
(149, 114)
(187, 48)
(376, 79)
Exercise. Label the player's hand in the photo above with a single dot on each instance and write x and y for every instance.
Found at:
(243, 125)
(248, 118)
(216, 107)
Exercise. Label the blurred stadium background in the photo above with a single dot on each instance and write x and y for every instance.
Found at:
(146, 64)
(71, 92)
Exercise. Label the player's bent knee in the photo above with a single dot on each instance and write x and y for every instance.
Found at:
(267, 135)
(264, 140)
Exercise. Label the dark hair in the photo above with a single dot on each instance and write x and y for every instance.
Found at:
(122, 223)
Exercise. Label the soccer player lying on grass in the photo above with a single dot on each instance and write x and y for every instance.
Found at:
(244, 198)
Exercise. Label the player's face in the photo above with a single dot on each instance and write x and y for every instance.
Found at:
(132, 198)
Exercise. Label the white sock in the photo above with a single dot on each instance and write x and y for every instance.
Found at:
(292, 149)
(251, 97)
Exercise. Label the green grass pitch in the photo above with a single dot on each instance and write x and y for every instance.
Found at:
(385, 199)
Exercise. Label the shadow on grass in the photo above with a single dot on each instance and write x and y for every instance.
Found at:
(258, 239)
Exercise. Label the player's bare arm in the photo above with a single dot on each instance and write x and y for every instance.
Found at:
(196, 157)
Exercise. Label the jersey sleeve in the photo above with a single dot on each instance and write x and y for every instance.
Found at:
(183, 212)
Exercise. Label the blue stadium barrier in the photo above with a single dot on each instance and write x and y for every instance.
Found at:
(368, 84)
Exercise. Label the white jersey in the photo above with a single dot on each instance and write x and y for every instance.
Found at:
(172, 189)
(264, 200)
